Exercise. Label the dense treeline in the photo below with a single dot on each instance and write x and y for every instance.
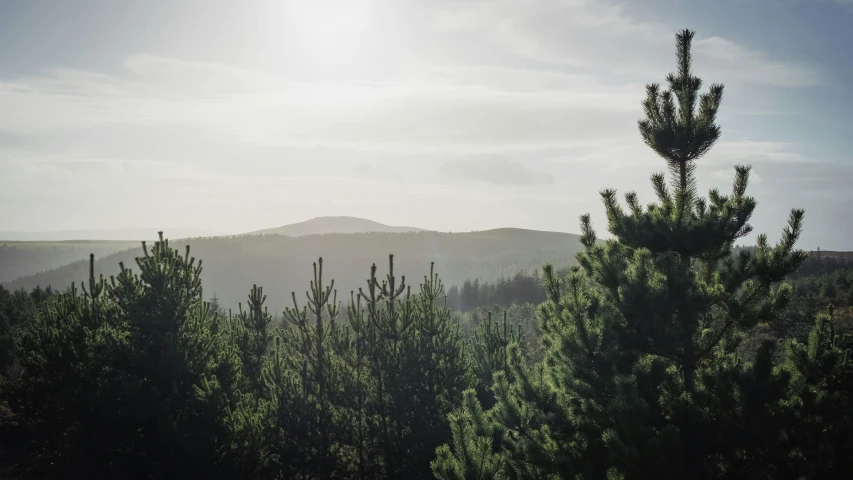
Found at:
(133, 377)
(636, 370)
(16, 307)
(824, 262)
(820, 276)
(520, 288)
(817, 294)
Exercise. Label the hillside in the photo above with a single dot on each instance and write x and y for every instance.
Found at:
(282, 264)
(324, 225)
(29, 253)
(27, 258)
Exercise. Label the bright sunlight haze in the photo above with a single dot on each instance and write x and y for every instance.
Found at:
(445, 115)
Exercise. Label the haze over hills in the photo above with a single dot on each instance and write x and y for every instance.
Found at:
(282, 264)
(340, 224)
(27, 258)
(314, 226)
(135, 234)
(28, 253)
(280, 258)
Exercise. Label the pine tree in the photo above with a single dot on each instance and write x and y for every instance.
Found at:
(416, 358)
(62, 352)
(390, 320)
(641, 337)
(453, 298)
(681, 296)
(822, 390)
(360, 388)
(437, 371)
(129, 379)
(180, 372)
(489, 354)
(16, 309)
(251, 329)
(216, 308)
(467, 296)
(473, 438)
(302, 384)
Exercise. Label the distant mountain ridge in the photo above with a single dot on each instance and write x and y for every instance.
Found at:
(282, 264)
(28, 253)
(117, 234)
(314, 226)
(51, 261)
(333, 224)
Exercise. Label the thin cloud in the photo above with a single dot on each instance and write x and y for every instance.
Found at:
(602, 36)
(728, 175)
(750, 151)
(470, 110)
(496, 171)
(740, 63)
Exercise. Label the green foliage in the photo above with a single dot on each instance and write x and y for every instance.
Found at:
(417, 358)
(641, 372)
(128, 378)
(16, 308)
(473, 439)
(250, 330)
(367, 398)
(139, 378)
(680, 294)
(822, 390)
(814, 294)
(521, 288)
(489, 352)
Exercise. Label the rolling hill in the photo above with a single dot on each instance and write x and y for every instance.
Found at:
(19, 259)
(282, 264)
(28, 253)
(323, 225)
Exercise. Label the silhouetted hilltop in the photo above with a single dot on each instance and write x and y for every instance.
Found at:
(324, 225)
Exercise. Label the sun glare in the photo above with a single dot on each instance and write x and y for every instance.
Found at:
(329, 32)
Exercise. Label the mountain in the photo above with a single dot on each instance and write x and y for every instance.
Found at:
(324, 225)
(282, 264)
(134, 234)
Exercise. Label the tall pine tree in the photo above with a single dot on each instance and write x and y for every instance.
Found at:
(638, 335)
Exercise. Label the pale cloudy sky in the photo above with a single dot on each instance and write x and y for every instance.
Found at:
(448, 115)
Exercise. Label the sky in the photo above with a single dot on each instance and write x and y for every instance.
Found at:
(447, 115)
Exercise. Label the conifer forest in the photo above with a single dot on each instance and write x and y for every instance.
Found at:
(668, 350)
